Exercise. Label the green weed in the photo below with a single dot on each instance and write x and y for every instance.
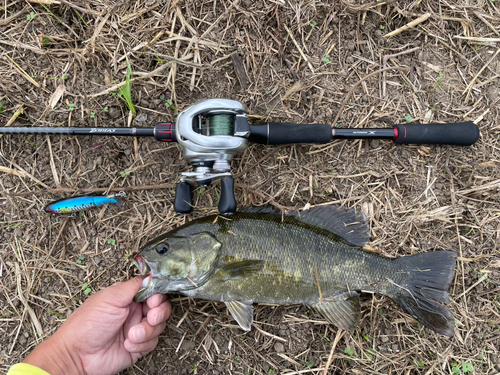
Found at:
(112, 242)
(125, 173)
(58, 314)
(313, 24)
(171, 105)
(86, 289)
(71, 106)
(326, 59)
(92, 114)
(125, 92)
(80, 260)
(1, 106)
(408, 118)
(30, 16)
(441, 75)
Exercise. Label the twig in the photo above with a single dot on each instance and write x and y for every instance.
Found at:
(150, 74)
(269, 199)
(317, 281)
(481, 17)
(83, 10)
(269, 334)
(300, 49)
(475, 39)
(409, 25)
(384, 65)
(340, 333)
(484, 277)
(28, 77)
(469, 86)
(12, 171)
(349, 94)
(31, 313)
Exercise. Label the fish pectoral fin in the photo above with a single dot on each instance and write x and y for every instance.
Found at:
(343, 310)
(239, 270)
(242, 312)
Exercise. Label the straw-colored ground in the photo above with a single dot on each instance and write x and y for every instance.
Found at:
(419, 198)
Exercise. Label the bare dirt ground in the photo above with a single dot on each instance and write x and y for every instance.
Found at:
(301, 60)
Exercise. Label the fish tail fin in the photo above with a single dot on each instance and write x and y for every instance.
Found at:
(430, 276)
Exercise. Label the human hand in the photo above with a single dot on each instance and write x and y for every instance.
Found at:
(106, 334)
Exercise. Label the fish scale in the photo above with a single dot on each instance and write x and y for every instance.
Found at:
(313, 258)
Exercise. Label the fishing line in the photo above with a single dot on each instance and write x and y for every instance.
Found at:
(222, 124)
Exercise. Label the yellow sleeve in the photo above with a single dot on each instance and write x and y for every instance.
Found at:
(25, 369)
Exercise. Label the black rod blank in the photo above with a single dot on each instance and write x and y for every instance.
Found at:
(133, 132)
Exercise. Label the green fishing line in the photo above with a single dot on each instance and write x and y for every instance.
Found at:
(221, 124)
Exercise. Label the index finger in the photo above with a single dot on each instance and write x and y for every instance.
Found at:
(156, 300)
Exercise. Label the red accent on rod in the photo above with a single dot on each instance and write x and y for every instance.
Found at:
(395, 134)
(169, 126)
(404, 139)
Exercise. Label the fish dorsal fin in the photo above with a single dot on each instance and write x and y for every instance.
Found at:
(242, 312)
(239, 270)
(351, 225)
(344, 312)
(264, 209)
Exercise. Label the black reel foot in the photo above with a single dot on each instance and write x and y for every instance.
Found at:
(183, 202)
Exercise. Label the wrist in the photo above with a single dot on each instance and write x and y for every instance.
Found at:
(55, 358)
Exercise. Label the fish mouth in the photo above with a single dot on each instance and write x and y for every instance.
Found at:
(148, 283)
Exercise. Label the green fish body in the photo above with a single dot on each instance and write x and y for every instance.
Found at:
(314, 257)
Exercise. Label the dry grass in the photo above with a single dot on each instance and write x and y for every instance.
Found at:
(301, 59)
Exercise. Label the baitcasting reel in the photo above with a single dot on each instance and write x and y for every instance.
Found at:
(212, 131)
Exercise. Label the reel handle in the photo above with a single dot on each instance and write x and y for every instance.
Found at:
(183, 203)
(227, 202)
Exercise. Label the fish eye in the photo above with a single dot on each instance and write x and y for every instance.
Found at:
(161, 248)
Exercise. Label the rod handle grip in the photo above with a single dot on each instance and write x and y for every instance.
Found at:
(278, 133)
(458, 134)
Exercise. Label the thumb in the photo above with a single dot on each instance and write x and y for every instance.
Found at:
(123, 293)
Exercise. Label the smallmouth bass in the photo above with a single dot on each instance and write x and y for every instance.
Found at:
(313, 257)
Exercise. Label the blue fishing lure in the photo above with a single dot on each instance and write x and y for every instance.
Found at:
(82, 203)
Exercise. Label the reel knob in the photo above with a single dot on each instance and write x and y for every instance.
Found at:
(182, 201)
(227, 203)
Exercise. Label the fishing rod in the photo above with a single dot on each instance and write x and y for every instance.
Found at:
(213, 131)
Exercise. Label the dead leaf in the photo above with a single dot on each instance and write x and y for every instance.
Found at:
(490, 163)
(57, 95)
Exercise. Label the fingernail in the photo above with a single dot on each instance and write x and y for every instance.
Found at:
(138, 333)
(158, 318)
